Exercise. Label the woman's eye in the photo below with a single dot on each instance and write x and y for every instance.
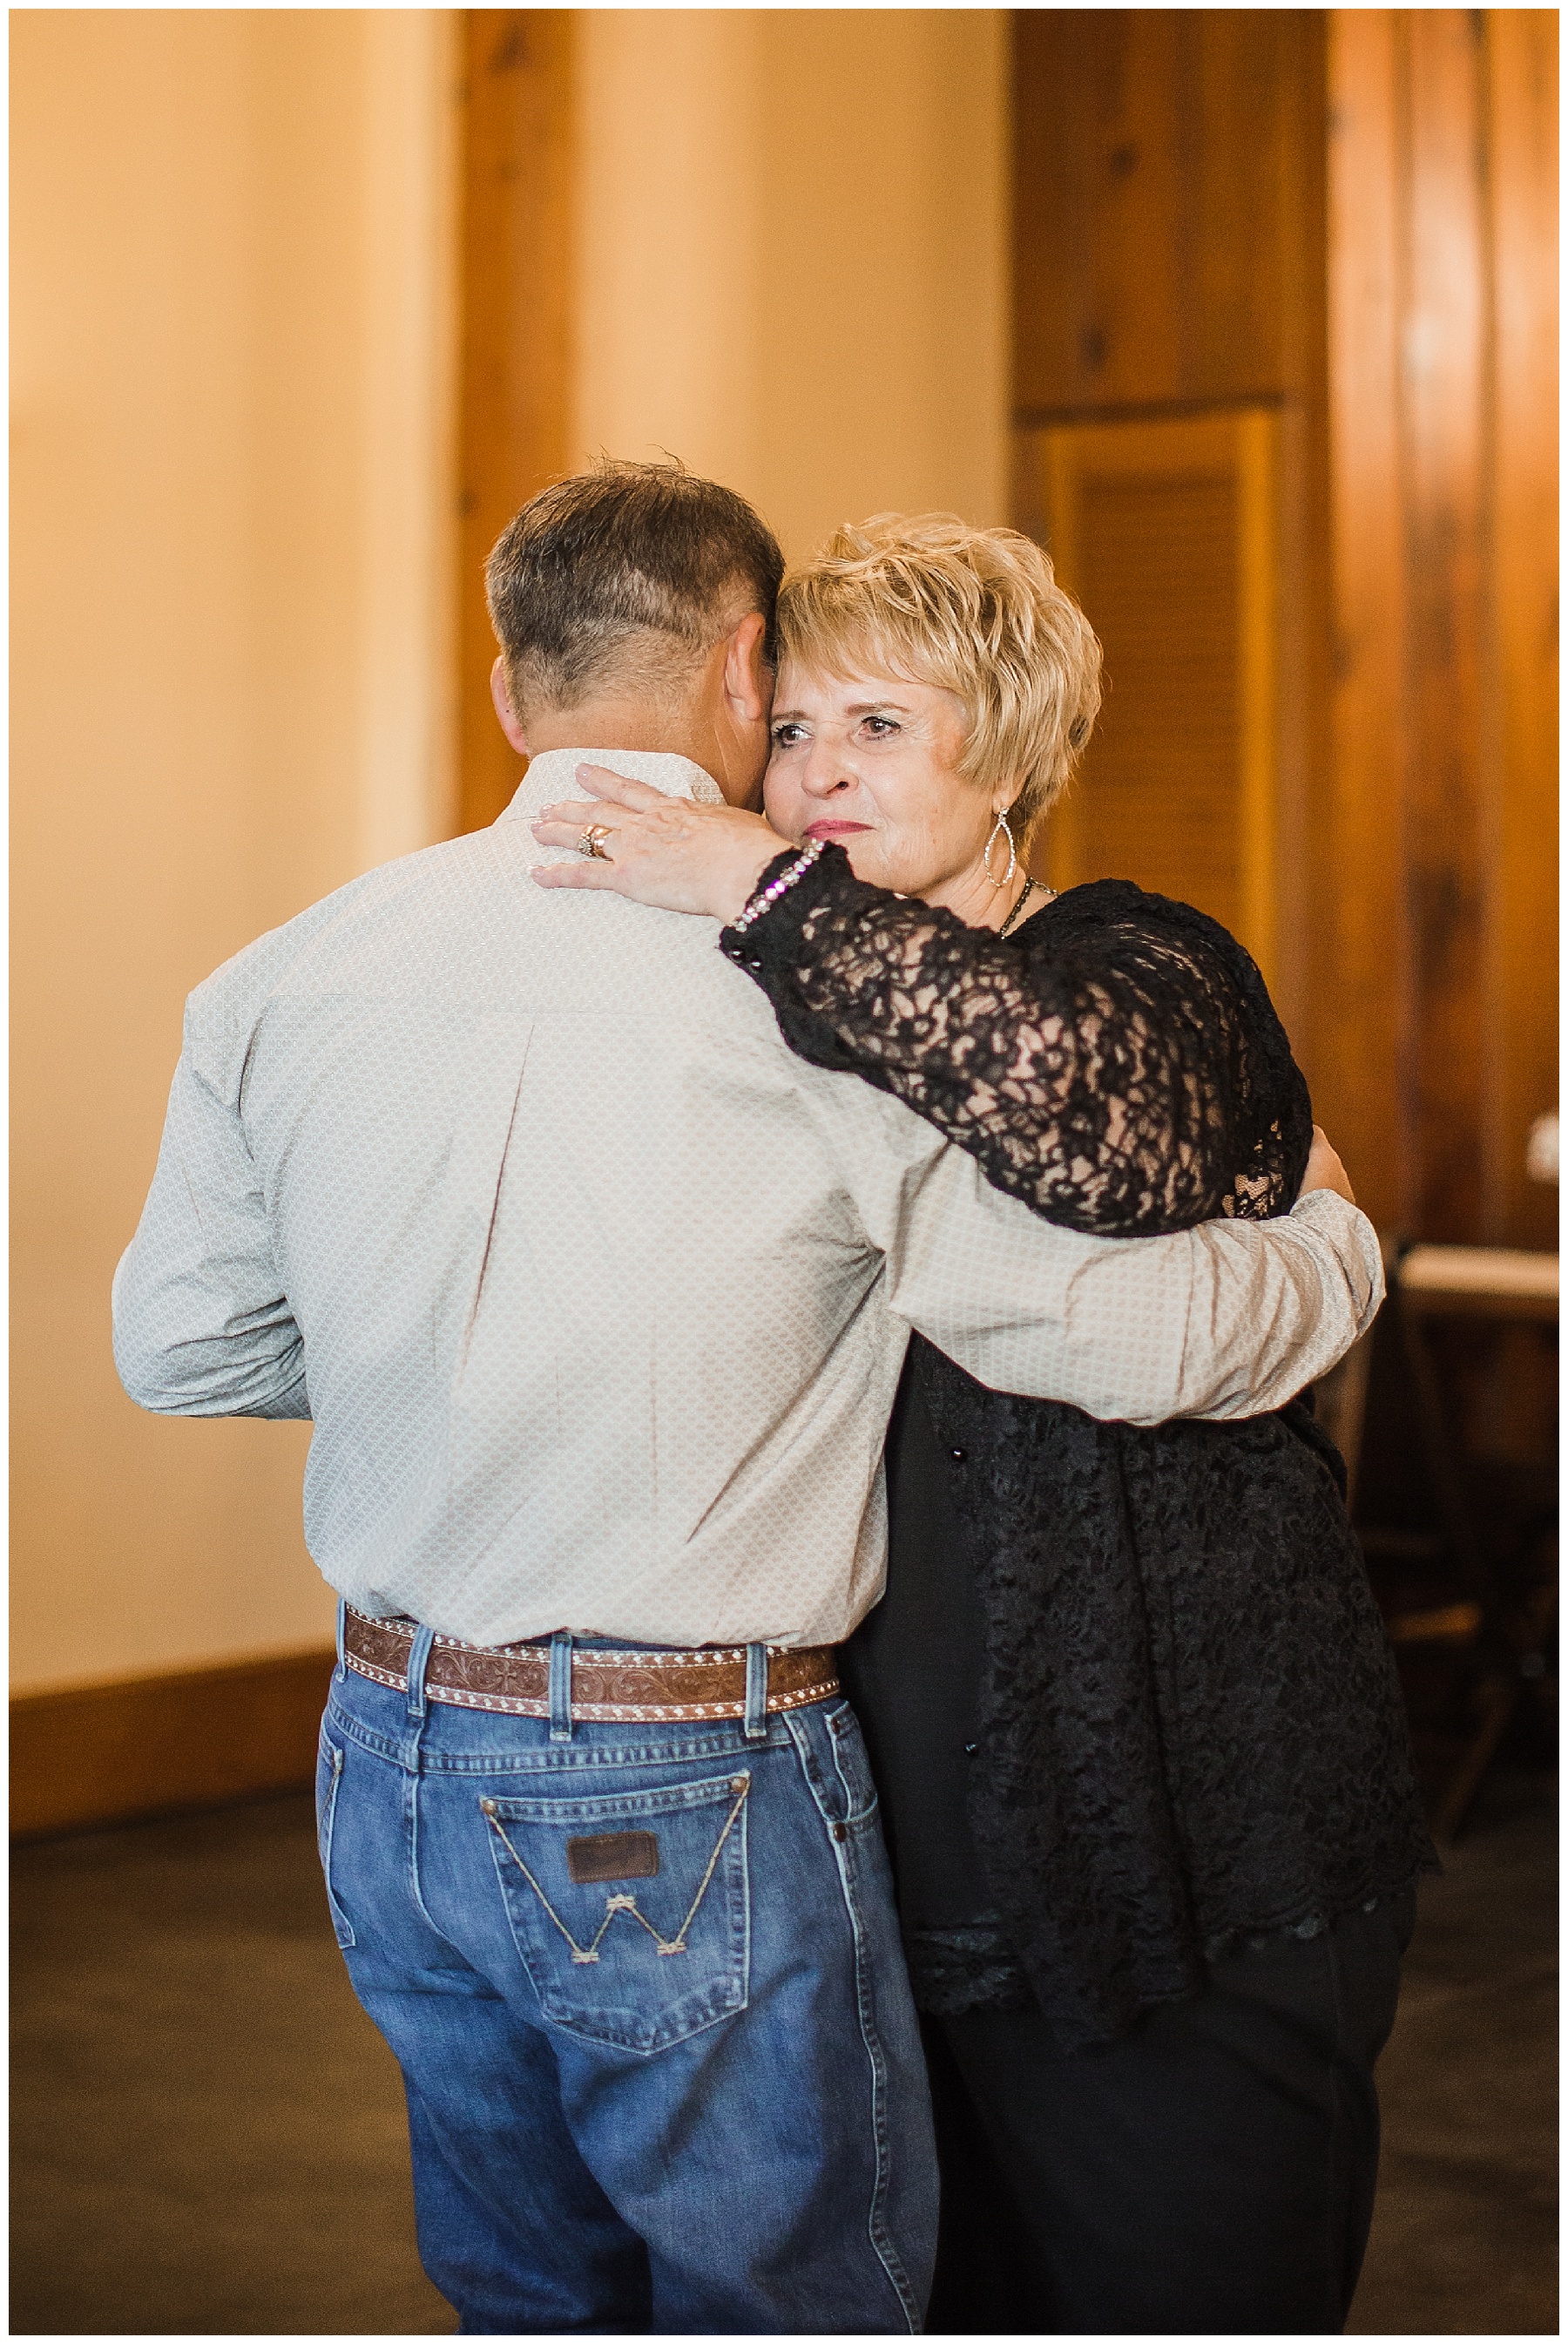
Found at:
(882, 728)
(785, 735)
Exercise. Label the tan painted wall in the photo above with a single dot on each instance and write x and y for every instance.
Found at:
(792, 254)
(229, 483)
(231, 590)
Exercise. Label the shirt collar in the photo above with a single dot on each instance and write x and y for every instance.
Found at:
(553, 776)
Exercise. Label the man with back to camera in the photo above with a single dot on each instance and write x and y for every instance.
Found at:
(597, 1298)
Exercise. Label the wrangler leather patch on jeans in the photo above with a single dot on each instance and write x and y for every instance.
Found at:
(613, 1855)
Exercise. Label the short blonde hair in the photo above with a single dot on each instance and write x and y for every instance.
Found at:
(975, 611)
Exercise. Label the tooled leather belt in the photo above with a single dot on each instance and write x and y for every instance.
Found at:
(609, 1688)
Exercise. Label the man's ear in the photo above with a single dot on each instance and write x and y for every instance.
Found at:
(747, 678)
(503, 700)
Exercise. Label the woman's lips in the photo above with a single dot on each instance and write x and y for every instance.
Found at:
(835, 829)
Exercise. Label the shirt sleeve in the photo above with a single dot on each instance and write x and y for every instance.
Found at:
(1229, 1319)
(202, 1325)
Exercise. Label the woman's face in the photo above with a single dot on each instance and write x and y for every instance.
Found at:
(870, 763)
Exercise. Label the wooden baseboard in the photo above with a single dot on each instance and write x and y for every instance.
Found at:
(104, 1753)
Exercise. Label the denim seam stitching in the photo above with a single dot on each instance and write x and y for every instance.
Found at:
(674, 1798)
(881, 2244)
(411, 1793)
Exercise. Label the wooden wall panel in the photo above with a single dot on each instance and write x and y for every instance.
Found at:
(1435, 983)
(1349, 216)
(1351, 972)
(1520, 130)
(1167, 218)
(1444, 434)
(517, 331)
(135, 1746)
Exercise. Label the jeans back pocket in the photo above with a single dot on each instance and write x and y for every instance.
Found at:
(632, 1912)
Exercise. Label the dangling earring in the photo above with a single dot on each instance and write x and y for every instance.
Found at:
(1005, 827)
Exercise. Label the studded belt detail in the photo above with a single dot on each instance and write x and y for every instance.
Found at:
(609, 1688)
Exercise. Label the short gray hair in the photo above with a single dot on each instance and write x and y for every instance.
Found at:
(630, 565)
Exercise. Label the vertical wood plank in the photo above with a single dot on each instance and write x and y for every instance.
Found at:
(517, 331)
(1258, 640)
(1304, 587)
(1444, 436)
(1358, 900)
(1235, 291)
(1521, 975)
(1442, 272)
(1058, 855)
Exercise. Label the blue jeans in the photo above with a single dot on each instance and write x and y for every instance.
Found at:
(644, 1987)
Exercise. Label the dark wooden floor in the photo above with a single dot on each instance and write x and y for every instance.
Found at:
(1464, 2239)
(208, 2133)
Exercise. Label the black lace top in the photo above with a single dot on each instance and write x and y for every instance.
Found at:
(1180, 1725)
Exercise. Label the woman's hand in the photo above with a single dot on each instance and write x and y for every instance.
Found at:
(1324, 1169)
(659, 850)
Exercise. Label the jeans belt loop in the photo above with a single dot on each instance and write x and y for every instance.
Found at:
(342, 1656)
(419, 1660)
(757, 1692)
(561, 1685)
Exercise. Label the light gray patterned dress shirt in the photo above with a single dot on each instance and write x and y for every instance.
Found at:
(598, 1296)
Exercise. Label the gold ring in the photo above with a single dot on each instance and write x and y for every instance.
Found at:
(591, 843)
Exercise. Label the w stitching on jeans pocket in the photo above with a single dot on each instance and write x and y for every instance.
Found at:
(622, 1987)
(613, 1905)
(330, 1757)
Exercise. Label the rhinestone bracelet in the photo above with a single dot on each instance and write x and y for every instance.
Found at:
(779, 886)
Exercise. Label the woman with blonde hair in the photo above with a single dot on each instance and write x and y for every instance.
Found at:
(1138, 1739)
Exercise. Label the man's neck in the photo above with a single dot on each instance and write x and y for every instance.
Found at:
(619, 724)
(659, 731)
(552, 775)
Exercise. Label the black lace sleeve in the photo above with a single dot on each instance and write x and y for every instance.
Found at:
(1117, 1063)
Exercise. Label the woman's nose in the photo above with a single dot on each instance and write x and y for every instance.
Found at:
(824, 771)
